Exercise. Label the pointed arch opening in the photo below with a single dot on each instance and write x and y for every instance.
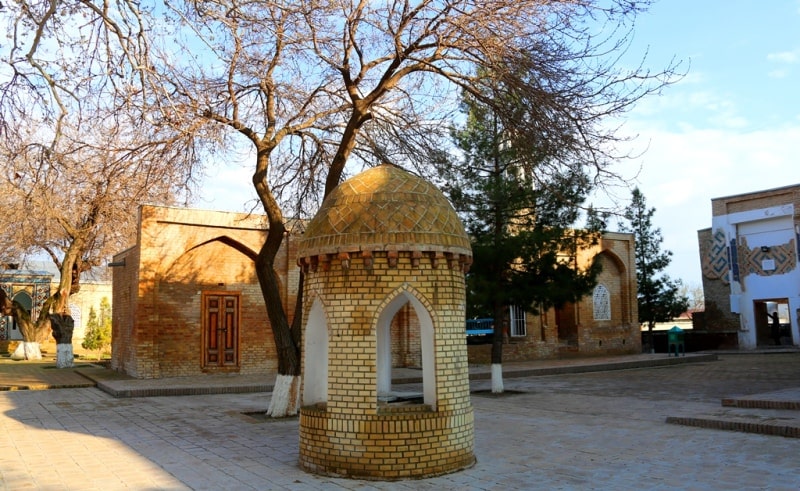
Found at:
(315, 357)
(13, 331)
(384, 350)
(616, 281)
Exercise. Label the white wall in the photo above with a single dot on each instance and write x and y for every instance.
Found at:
(769, 227)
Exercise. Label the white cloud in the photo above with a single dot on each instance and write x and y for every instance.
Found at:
(683, 170)
(785, 56)
(690, 109)
(777, 74)
(228, 186)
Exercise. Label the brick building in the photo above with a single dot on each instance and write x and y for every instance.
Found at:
(31, 287)
(749, 261)
(606, 322)
(186, 299)
(28, 287)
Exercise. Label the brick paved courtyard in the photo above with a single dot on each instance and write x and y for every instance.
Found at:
(600, 430)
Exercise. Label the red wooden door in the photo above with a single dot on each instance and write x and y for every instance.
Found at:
(221, 330)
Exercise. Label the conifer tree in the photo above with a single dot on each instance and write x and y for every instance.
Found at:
(521, 217)
(659, 297)
(98, 328)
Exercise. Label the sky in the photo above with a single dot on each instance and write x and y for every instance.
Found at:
(731, 125)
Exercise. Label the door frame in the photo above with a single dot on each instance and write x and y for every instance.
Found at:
(763, 335)
(220, 366)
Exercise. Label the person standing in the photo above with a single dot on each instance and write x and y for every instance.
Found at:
(775, 328)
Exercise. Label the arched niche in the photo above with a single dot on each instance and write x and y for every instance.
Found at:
(615, 278)
(384, 347)
(315, 357)
(24, 299)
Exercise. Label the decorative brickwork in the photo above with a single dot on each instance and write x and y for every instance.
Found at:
(573, 329)
(715, 257)
(716, 287)
(780, 258)
(389, 210)
(788, 195)
(395, 266)
(758, 271)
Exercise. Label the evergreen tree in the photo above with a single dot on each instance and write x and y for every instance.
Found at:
(659, 297)
(98, 328)
(520, 219)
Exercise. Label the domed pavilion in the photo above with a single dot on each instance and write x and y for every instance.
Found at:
(382, 241)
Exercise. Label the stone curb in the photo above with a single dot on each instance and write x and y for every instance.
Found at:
(120, 387)
(117, 389)
(600, 367)
(181, 391)
(9, 388)
(734, 425)
(761, 404)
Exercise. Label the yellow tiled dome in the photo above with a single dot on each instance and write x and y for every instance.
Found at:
(385, 208)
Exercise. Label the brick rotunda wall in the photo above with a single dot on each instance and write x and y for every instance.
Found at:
(353, 434)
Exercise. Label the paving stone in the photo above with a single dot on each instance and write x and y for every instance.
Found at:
(599, 430)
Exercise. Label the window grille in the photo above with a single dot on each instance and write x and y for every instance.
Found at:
(516, 316)
(601, 301)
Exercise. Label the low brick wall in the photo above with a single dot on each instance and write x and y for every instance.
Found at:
(395, 443)
(514, 351)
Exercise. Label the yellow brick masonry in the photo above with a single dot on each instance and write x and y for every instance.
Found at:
(382, 234)
(356, 436)
(758, 200)
(157, 294)
(397, 211)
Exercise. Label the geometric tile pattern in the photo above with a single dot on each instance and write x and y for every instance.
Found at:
(41, 292)
(782, 256)
(35, 283)
(381, 208)
(601, 303)
(716, 265)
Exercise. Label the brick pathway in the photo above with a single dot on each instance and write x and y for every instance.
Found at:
(39, 375)
(600, 430)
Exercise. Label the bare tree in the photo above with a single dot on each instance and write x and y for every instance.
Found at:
(77, 157)
(693, 292)
(310, 84)
(72, 199)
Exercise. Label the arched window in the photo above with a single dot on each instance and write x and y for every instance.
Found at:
(601, 303)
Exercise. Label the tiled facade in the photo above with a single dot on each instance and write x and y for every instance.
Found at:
(31, 289)
(384, 242)
(749, 260)
(39, 285)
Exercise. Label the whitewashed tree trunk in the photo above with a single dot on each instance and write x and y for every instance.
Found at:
(497, 378)
(27, 350)
(65, 357)
(285, 399)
